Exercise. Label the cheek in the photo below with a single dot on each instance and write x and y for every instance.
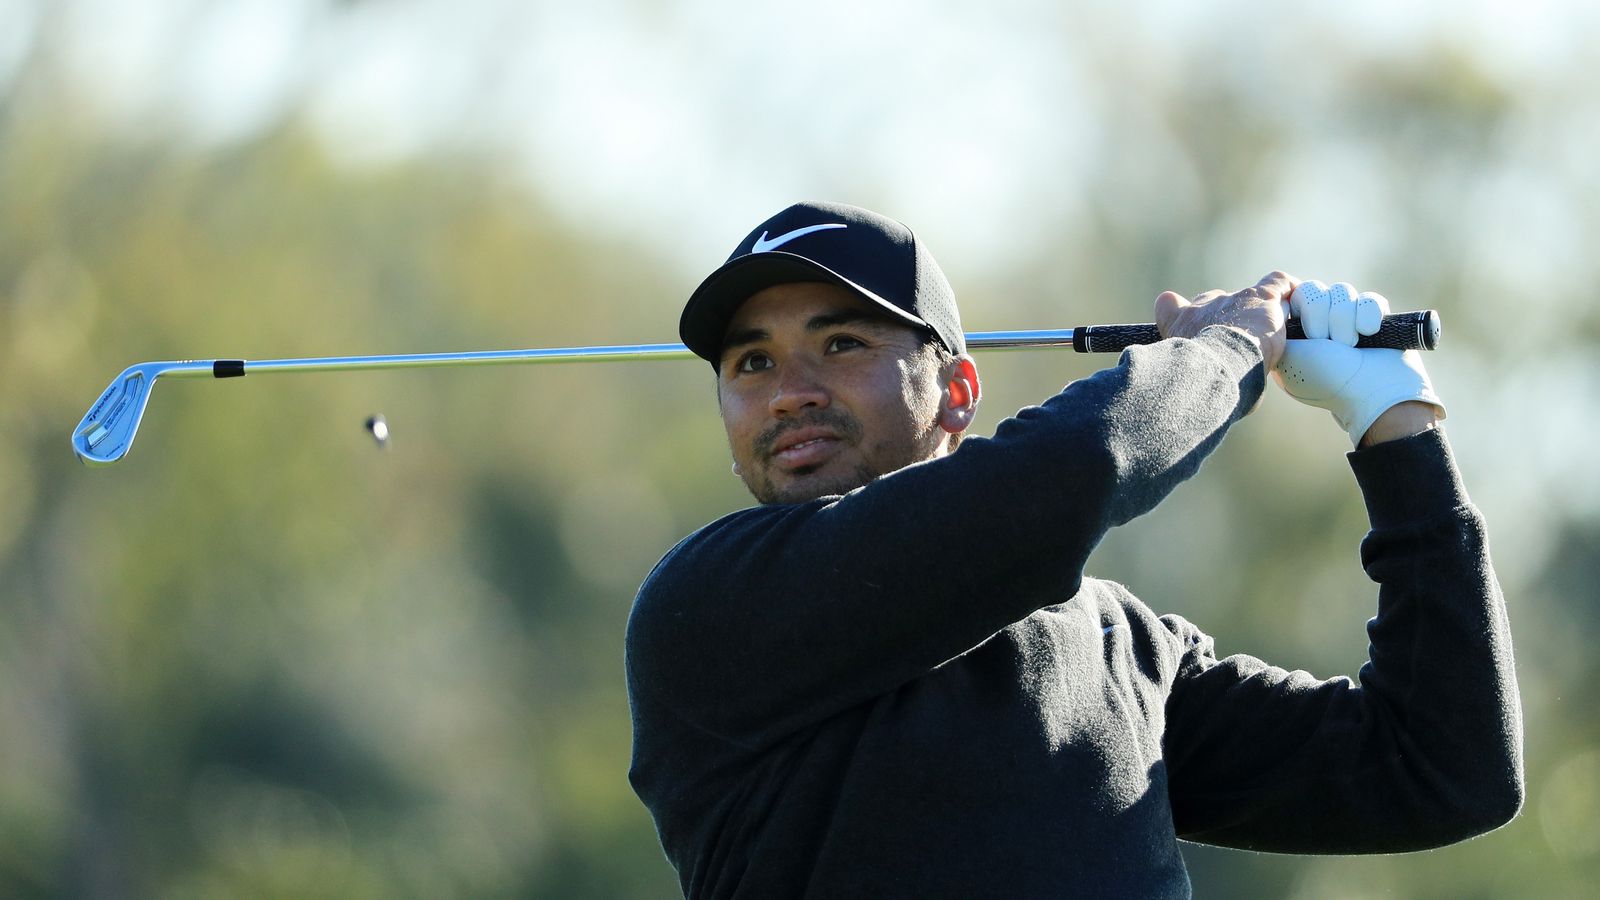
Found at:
(920, 391)
(735, 420)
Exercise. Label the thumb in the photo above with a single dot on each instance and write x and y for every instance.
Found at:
(1168, 307)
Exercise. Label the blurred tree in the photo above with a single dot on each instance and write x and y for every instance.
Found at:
(261, 658)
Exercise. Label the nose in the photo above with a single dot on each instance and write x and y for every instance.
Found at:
(798, 389)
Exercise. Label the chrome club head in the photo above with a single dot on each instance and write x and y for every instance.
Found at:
(107, 429)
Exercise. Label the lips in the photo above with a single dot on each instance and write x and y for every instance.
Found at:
(804, 447)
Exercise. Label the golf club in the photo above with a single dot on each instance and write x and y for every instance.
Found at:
(108, 428)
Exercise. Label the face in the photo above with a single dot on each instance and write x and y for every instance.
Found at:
(821, 393)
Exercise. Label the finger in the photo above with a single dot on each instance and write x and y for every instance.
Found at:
(1171, 302)
(1278, 284)
(1370, 310)
(1168, 306)
(1342, 313)
(1302, 290)
(1383, 302)
(1310, 303)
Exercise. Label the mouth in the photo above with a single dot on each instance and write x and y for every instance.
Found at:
(805, 448)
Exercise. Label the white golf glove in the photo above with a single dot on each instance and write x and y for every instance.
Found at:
(1327, 371)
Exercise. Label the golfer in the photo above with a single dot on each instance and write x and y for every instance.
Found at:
(892, 678)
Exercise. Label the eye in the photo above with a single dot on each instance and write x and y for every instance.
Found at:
(753, 362)
(843, 342)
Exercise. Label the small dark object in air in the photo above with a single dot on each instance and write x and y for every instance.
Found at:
(379, 427)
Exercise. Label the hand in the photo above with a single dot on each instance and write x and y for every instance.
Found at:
(1356, 385)
(1256, 311)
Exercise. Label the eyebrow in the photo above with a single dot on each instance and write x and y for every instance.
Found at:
(746, 336)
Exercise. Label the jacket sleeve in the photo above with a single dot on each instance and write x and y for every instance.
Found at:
(778, 616)
(1424, 751)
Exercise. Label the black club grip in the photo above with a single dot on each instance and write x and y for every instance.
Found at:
(1401, 331)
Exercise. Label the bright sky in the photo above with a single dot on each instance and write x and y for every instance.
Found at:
(686, 116)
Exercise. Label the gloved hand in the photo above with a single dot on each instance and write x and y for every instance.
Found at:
(1327, 371)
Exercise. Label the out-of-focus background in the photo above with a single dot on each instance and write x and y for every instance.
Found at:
(262, 657)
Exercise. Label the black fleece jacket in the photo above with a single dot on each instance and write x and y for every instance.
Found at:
(822, 709)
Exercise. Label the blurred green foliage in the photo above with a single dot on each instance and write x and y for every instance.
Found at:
(264, 658)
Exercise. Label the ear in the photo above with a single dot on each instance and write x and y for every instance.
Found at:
(961, 392)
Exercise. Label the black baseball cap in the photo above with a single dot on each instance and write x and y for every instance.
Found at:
(872, 255)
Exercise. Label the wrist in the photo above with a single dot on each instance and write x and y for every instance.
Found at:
(1401, 421)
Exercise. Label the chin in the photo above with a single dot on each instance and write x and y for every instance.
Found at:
(801, 487)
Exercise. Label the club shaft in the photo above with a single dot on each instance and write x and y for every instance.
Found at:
(107, 430)
(470, 358)
(1398, 331)
(223, 368)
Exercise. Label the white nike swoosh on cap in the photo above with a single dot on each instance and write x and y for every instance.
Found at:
(762, 245)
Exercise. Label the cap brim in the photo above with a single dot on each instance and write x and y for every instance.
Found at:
(712, 305)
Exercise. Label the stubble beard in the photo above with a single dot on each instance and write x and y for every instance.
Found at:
(917, 447)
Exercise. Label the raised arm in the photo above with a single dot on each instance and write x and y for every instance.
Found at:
(1428, 748)
(777, 616)
(1424, 751)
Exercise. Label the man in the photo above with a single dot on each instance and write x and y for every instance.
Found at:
(891, 679)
